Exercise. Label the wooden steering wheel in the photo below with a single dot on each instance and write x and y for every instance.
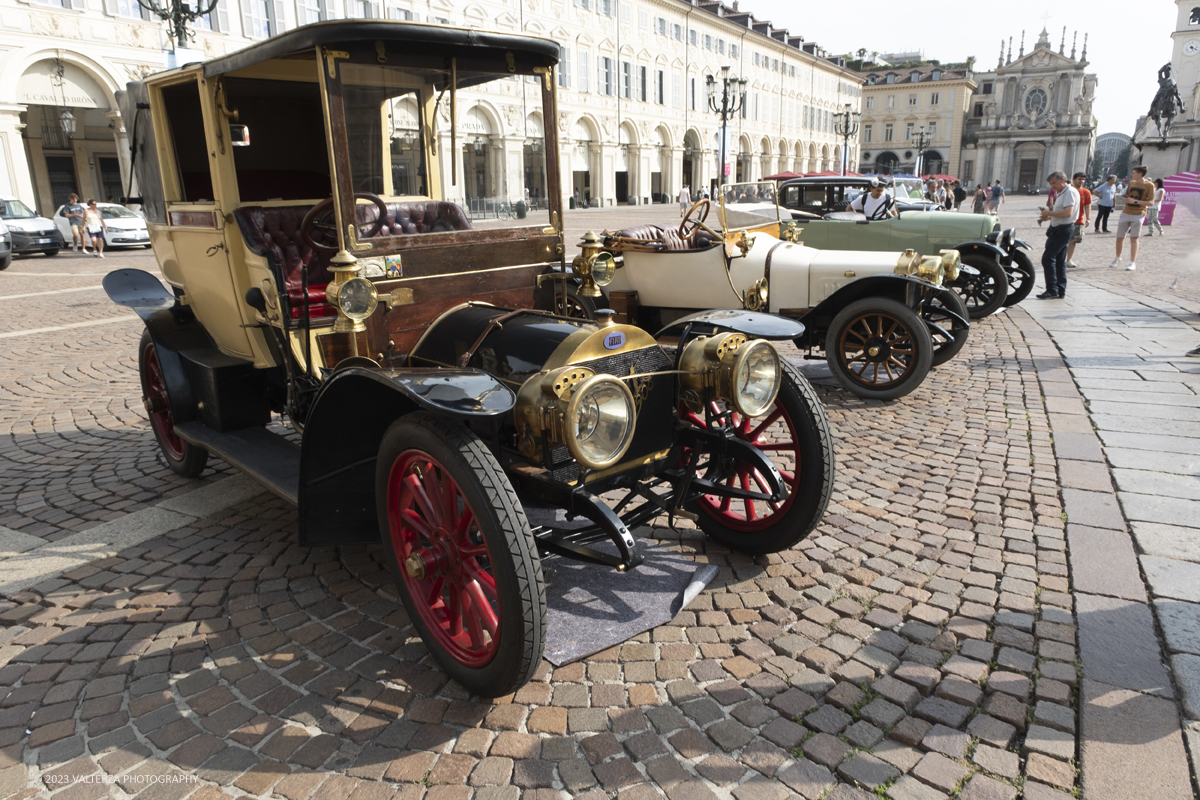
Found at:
(689, 226)
(319, 228)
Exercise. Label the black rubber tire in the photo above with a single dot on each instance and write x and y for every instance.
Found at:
(518, 572)
(982, 284)
(575, 305)
(814, 484)
(5, 262)
(147, 246)
(192, 460)
(49, 253)
(949, 335)
(921, 359)
(1021, 278)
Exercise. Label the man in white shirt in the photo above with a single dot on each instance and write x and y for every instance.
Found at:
(875, 204)
(1058, 235)
(685, 199)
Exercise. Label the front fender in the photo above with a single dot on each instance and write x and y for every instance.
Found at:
(756, 324)
(1021, 243)
(980, 248)
(346, 424)
(903, 288)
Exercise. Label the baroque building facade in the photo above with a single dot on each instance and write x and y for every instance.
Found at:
(634, 123)
(914, 110)
(1032, 115)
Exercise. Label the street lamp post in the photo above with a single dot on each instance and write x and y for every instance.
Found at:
(177, 14)
(920, 150)
(732, 99)
(846, 126)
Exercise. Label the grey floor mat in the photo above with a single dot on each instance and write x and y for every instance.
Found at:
(591, 607)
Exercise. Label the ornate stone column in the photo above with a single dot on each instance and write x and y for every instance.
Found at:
(15, 175)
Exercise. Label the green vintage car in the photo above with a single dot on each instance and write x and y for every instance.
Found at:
(992, 275)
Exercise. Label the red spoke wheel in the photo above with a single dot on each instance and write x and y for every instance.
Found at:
(465, 560)
(182, 457)
(878, 348)
(794, 433)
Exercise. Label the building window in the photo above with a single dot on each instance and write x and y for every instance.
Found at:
(402, 14)
(676, 90)
(891, 78)
(707, 42)
(677, 32)
(691, 94)
(564, 68)
(606, 76)
(626, 80)
(733, 51)
(721, 46)
(584, 3)
(660, 87)
(968, 171)
(868, 132)
(605, 7)
(625, 15)
(258, 19)
(693, 38)
(978, 110)
(792, 71)
(757, 59)
(309, 11)
(869, 102)
(887, 132)
(932, 131)
(934, 97)
(117, 8)
(642, 84)
(891, 101)
(908, 131)
(1035, 102)
(585, 70)
(643, 19)
(912, 101)
(936, 75)
(660, 25)
(914, 76)
(987, 87)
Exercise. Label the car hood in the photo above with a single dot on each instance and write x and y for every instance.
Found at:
(125, 224)
(34, 224)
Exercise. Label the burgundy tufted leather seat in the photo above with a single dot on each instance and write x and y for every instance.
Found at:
(416, 216)
(668, 237)
(278, 230)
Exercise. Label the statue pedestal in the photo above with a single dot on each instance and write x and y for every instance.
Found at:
(1162, 157)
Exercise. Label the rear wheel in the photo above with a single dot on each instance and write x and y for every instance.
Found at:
(5, 262)
(464, 558)
(982, 285)
(182, 457)
(794, 433)
(948, 333)
(1020, 278)
(573, 304)
(49, 253)
(878, 348)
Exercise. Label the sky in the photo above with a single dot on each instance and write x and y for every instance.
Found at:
(1126, 44)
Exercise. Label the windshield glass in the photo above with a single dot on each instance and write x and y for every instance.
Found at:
(743, 205)
(15, 209)
(910, 188)
(117, 212)
(401, 147)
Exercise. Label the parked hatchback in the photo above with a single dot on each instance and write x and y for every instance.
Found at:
(122, 227)
(30, 233)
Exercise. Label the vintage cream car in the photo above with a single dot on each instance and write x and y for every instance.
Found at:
(320, 275)
(881, 320)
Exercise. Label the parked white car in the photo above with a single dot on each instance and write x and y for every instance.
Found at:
(28, 232)
(124, 227)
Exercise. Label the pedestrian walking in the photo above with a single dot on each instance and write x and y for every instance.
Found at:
(1152, 212)
(1106, 194)
(1139, 196)
(960, 194)
(685, 199)
(1085, 215)
(997, 197)
(74, 211)
(93, 222)
(1058, 235)
(981, 198)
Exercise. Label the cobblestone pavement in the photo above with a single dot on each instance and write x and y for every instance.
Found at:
(921, 644)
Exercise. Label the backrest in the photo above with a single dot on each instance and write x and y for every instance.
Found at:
(277, 230)
(669, 237)
(416, 216)
(856, 216)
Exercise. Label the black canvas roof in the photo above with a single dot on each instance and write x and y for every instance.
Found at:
(434, 39)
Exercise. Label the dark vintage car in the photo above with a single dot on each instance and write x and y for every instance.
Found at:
(297, 194)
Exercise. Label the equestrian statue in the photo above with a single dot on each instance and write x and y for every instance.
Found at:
(1167, 102)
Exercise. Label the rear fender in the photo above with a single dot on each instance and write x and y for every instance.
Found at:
(347, 423)
(980, 248)
(903, 288)
(173, 329)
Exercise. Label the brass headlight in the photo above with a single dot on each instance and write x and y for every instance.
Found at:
(907, 263)
(951, 259)
(599, 421)
(930, 269)
(604, 268)
(727, 367)
(356, 299)
(594, 267)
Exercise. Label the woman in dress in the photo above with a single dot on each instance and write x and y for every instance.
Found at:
(93, 223)
(980, 199)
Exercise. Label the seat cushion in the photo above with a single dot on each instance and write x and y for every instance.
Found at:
(668, 239)
(846, 216)
(416, 216)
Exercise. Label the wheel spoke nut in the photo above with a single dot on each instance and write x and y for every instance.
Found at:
(414, 565)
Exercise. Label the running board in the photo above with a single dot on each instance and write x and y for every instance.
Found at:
(266, 457)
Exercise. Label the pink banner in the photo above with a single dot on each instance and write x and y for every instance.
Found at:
(1182, 189)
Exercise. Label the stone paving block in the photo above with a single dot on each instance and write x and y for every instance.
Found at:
(826, 750)
(942, 712)
(982, 787)
(1169, 541)
(867, 770)
(1050, 770)
(939, 771)
(1118, 645)
(1049, 742)
(947, 741)
(1171, 578)
(807, 779)
(997, 761)
(1103, 563)
(910, 730)
(1186, 668)
(1180, 624)
(828, 719)
(1093, 509)
(909, 788)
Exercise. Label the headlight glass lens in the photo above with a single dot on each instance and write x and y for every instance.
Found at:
(357, 298)
(600, 421)
(603, 269)
(756, 378)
